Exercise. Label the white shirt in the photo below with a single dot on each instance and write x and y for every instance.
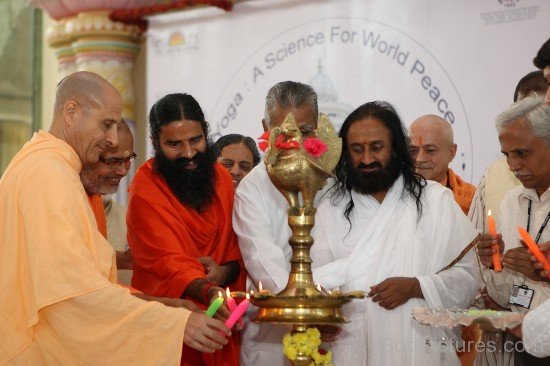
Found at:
(513, 213)
(260, 221)
(536, 331)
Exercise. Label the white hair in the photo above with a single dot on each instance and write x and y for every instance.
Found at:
(535, 112)
(288, 94)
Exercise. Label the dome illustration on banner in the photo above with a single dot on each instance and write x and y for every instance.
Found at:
(327, 98)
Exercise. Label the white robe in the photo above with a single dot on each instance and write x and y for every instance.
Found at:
(261, 223)
(386, 240)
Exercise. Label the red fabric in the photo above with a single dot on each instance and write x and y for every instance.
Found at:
(99, 213)
(166, 238)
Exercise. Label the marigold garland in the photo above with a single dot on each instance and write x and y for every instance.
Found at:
(135, 16)
(307, 344)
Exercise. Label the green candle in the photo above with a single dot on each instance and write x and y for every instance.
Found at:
(214, 306)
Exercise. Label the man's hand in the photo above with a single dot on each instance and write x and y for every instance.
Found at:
(329, 332)
(214, 273)
(545, 248)
(223, 312)
(515, 331)
(204, 334)
(124, 260)
(519, 260)
(485, 248)
(395, 291)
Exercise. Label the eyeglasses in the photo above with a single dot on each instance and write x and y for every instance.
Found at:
(116, 162)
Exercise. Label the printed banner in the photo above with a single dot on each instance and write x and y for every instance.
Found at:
(459, 60)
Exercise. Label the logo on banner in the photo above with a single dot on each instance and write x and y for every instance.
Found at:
(174, 41)
(512, 12)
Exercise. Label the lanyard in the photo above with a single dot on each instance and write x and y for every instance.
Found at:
(529, 222)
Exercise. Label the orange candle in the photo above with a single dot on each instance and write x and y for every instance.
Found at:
(497, 265)
(534, 248)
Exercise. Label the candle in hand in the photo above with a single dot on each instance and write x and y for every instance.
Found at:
(534, 249)
(230, 301)
(497, 265)
(215, 305)
(238, 313)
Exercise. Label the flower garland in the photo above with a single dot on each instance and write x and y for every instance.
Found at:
(136, 16)
(312, 145)
(308, 344)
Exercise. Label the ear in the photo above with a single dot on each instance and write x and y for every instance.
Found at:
(453, 152)
(264, 125)
(70, 110)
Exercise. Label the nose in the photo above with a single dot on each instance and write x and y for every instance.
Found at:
(368, 157)
(513, 164)
(112, 136)
(235, 170)
(188, 151)
(122, 169)
(421, 155)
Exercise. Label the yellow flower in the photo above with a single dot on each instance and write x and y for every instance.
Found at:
(306, 343)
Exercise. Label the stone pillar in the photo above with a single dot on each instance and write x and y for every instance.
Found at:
(90, 41)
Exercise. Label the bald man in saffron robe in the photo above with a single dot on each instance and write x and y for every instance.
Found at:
(179, 218)
(433, 148)
(59, 299)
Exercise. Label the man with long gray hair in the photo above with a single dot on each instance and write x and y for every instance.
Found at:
(524, 134)
(260, 222)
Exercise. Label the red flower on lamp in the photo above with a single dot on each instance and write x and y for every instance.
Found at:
(312, 145)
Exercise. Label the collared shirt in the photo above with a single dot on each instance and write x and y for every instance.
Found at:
(513, 213)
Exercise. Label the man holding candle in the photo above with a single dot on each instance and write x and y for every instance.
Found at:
(524, 134)
(433, 148)
(179, 218)
(399, 238)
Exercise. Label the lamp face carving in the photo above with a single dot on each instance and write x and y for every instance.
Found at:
(301, 167)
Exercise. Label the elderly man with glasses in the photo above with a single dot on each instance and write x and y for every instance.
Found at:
(102, 179)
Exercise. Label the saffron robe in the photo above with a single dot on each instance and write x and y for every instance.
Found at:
(60, 303)
(166, 237)
(96, 202)
(463, 191)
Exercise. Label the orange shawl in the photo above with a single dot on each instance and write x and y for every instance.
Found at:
(99, 213)
(462, 191)
(166, 238)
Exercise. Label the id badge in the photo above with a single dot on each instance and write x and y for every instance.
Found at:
(521, 296)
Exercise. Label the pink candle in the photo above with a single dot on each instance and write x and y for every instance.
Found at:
(230, 301)
(238, 313)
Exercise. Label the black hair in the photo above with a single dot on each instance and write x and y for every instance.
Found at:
(236, 138)
(384, 112)
(543, 56)
(175, 107)
(533, 82)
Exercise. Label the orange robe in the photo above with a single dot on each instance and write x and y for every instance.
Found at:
(60, 305)
(166, 238)
(463, 192)
(99, 213)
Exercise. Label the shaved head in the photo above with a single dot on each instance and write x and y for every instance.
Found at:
(87, 88)
(436, 124)
(432, 146)
(86, 112)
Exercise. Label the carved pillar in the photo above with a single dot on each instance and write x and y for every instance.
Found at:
(90, 41)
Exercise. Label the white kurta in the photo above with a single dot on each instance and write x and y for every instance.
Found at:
(536, 331)
(261, 223)
(387, 240)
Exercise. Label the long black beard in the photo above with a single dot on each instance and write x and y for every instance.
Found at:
(195, 187)
(372, 182)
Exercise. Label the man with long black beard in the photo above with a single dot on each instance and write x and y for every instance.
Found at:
(179, 218)
(384, 230)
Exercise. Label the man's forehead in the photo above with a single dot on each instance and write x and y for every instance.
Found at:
(303, 114)
(119, 154)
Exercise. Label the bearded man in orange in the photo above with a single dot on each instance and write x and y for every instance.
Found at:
(432, 149)
(179, 218)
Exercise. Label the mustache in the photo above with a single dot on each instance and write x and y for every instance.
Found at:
(372, 165)
(184, 162)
